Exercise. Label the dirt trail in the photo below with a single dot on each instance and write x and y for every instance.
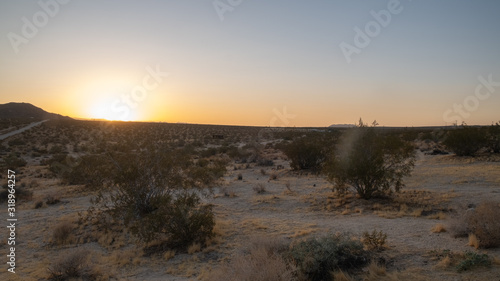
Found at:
(2, 137)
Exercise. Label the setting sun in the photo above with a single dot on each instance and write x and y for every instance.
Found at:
(102, 110)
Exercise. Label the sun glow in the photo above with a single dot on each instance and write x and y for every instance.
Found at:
(106, 110)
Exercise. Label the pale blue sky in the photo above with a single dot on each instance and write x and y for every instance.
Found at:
(263, 55)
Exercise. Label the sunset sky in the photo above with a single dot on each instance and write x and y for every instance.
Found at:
(255, 62)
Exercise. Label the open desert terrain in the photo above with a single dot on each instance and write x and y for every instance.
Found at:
(258, 201)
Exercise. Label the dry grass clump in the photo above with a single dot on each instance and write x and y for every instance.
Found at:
(260, 188)
(485, 224)
(169, 255)
(74, 264)
(437, 216)
(473, 241)
(375, 271)
(38, 204)
(376, 240)
(261, 261)
(273, 176)
(438, 228)
(341, 276)
(196, 247)
(482, 222)
(62, 233)
(52, 199)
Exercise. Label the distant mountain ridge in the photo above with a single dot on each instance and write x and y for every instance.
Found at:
(21, 110)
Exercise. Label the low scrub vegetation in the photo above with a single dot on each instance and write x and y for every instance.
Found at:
(376, 240)
(466, 140)
(316, 258)
(73, 265)
(155, 197)
(372, 163)
(483, 222)
(469, 141)
(309, 152)
(62, 233)
(473, 260)
(263, 260)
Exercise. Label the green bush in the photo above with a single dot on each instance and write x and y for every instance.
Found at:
(187, 221)
(370, 162)
(472, 260)
(316, 258)
(309, 151)
(93, 170)
(466, 140)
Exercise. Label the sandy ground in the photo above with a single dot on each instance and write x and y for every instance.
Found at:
(296, 212)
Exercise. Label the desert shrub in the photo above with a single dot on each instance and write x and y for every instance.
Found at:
(56, 149)
(237, 153)
(73, 264)
(473, 260)
(38, 204)
(308, 152)
(188, 222)
(62, 233)
(259, 188)
(93, 171)
(438, 228)
(208, 152)
(466, 140)
(265, 162)
(494, 137)
(458, 225)
(370, 162)
(484, 222)
(34, 183)
(376, 240)
(52, 199)
(316, 258)
(153, 196)
(261, 261)
(16, 142)
(14, 161)
(273, 176)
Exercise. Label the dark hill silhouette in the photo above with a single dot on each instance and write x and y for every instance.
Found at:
(14, 110)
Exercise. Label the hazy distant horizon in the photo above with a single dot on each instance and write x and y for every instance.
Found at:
(255, 63)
